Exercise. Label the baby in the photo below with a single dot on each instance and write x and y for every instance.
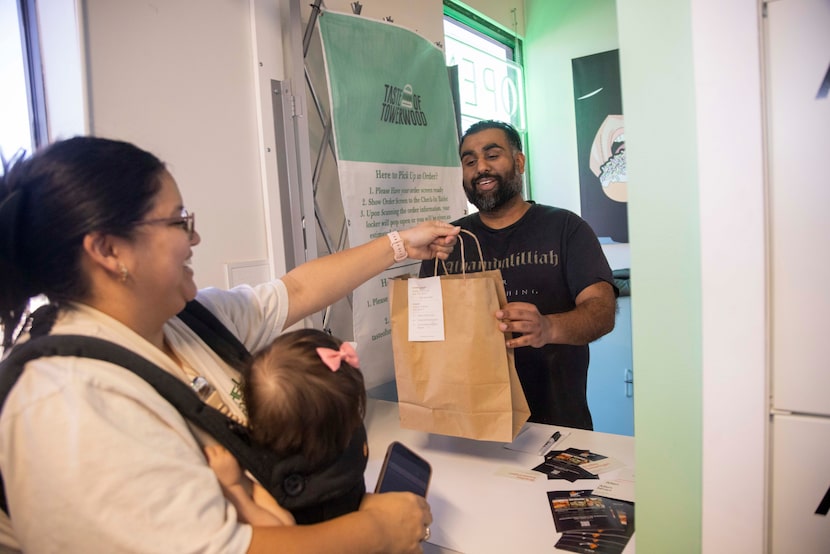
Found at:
(304, 394)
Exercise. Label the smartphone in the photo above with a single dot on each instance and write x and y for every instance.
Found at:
(404, 471)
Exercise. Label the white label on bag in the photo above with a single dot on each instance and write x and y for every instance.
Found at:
(426, 310)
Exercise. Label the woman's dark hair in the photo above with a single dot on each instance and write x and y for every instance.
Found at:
(50, 201)
(296, 404)
(512, 134)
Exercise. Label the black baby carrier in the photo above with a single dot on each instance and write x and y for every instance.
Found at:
(311, 494)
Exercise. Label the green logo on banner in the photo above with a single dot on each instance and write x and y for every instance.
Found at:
(402, 107)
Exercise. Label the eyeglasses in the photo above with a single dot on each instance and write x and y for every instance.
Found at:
(187, 221)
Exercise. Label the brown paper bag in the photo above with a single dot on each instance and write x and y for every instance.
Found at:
(466, 385)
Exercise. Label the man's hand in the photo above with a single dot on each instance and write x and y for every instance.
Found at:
(524, 318)
(593, 317)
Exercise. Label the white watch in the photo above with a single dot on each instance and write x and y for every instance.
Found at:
(397, 246)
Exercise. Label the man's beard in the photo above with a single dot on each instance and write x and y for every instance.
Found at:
(496, 198)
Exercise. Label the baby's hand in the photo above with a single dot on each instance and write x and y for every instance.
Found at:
(223, 464)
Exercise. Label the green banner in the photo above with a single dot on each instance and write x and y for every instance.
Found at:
(391, 100)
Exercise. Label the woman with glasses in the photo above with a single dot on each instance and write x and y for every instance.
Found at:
(93, 459)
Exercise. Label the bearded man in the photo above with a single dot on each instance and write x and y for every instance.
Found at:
(560, 289)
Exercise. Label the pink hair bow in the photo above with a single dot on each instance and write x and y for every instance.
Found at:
(332, 358)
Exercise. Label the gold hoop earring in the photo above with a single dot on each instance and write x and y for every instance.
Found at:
(122, 269)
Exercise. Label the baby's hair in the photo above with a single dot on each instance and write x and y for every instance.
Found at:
(296, 404)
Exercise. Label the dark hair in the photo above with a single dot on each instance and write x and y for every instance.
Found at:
(50, 201)
(510, 131)
(296, 404)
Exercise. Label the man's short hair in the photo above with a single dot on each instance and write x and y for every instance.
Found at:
(511, 132)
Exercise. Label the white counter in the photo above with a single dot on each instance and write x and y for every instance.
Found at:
(477, 507)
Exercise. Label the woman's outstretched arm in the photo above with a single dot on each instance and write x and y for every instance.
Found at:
(319, 283)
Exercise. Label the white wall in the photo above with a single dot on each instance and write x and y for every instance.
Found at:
(178, 78)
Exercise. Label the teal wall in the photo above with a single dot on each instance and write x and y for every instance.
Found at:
(655, 44)
(556, 32)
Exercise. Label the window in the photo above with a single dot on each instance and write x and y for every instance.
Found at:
(22, 110)
(490, 82)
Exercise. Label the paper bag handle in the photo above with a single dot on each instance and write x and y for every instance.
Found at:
(463, 263)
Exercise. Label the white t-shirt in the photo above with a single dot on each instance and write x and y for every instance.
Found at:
(94, 460)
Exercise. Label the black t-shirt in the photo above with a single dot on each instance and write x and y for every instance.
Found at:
(546, 258)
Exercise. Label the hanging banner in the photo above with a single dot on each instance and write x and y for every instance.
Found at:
(397, 153)
(600, 139)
